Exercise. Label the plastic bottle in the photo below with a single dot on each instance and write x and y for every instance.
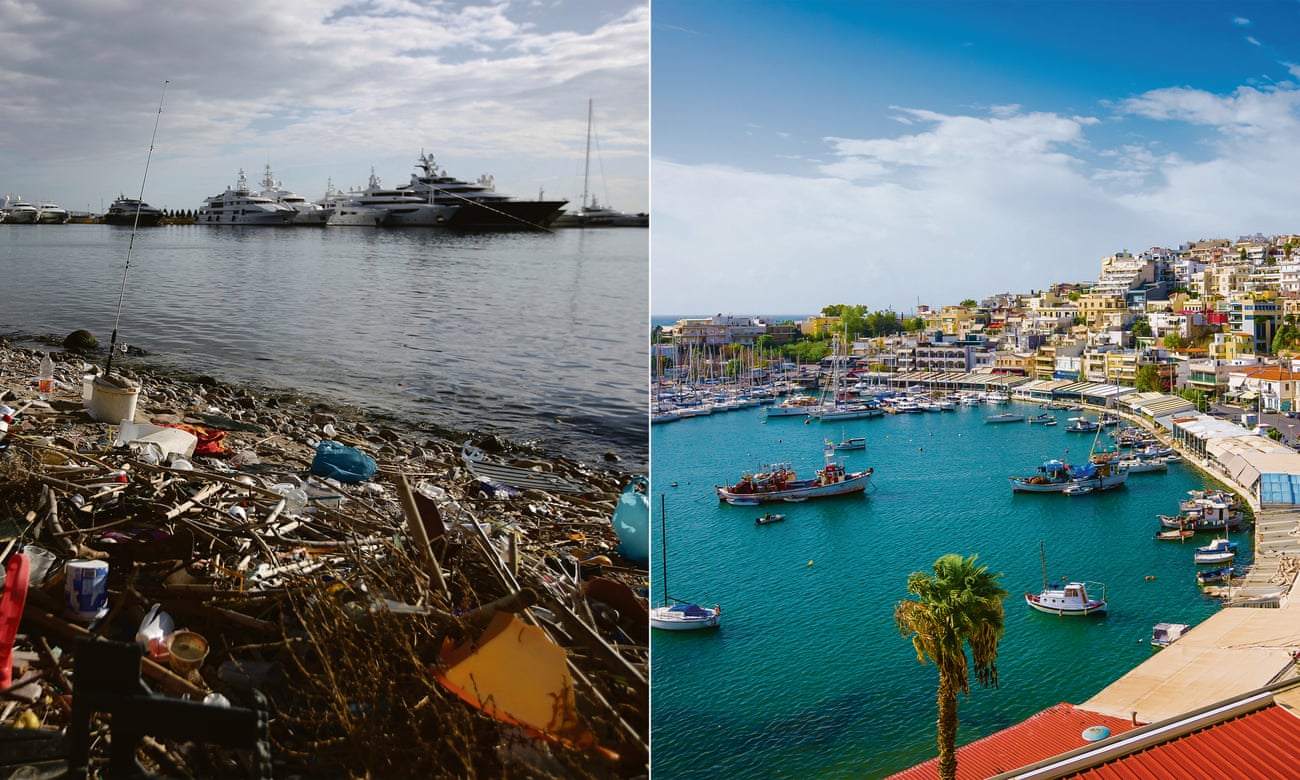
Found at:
(45, 378)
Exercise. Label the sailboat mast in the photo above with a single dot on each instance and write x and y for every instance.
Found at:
(663, 554)
(586, 166)
(1042, 555)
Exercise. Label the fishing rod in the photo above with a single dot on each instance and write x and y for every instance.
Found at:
(139, 204)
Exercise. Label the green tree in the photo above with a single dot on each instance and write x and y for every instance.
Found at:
(1147, 380)
(1173, 341)
(765, 342)
(915, 325)
(960, 605)
(1141, 328)
(1286, 338)
(969, 303)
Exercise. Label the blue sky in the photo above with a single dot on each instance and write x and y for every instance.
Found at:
(885, 153)
(321, 90)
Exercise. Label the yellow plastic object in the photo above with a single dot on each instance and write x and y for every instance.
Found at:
(516, 674)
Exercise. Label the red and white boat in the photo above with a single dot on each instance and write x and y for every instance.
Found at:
(780, 483)
(1071, 598)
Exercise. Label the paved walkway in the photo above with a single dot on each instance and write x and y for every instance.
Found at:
(1233, 651)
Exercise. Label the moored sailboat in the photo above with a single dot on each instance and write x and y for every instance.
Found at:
(676, 614)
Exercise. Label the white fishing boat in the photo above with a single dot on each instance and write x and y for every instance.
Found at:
(1082, 425)
(779, 482)
(1218, 551)
(1144, 466)
(769, 519)
(1071, 598)
(676, 614)
(1165, 634)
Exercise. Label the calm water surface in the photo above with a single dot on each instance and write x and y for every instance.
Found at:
(809, 677)
(538, 337)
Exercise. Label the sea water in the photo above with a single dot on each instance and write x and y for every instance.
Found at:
(809, 677)
(539, 338)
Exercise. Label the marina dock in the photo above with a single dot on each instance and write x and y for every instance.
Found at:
(1250, 643)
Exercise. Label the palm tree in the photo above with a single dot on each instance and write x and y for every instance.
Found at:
(961, 604)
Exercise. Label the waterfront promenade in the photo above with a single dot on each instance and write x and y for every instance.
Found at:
(1244, 646)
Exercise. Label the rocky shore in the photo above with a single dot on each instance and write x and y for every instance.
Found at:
(375, 626)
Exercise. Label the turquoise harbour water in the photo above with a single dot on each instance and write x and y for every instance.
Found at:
(809, 677)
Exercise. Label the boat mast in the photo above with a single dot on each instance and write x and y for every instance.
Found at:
(663, 555)
(1042, 554)
(586, 167)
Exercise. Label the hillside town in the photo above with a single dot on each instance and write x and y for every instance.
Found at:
(1216, 316)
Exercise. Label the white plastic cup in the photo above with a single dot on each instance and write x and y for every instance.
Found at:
(86, 589)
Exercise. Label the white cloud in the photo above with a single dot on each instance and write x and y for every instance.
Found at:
(1241, 21)
(320, 88)
(967, 206)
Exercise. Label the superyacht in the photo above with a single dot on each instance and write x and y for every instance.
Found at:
(305, 212)
(238, 206)
(481, 207)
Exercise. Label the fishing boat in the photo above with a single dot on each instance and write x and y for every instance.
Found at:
(1218, 551)
(1078, 489)
(1144, 466)
(1082, 425)
(676, 614)
(1041, 418)
(1052, 477)
(1165, 634)
(1206, 512)
(768, 519)
(777, 483)
(1004, 418)
(852, 443)
(1175, 534)
(1070, 599)
(1213, 576)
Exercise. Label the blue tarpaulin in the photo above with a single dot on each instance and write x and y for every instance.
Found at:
(1279, 488)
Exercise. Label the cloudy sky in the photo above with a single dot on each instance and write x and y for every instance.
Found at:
(885, 153)
(320, 90)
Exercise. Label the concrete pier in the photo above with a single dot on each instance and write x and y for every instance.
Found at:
(1247, 645)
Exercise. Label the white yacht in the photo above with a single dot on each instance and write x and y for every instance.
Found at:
(52, 214)
(306, 212)
(401, 208)
(17, 211)
(238, 206)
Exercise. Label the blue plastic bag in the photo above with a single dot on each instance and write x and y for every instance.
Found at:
(338, 461)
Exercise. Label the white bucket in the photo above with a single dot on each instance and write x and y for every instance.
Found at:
(86, 589)
(111, 402)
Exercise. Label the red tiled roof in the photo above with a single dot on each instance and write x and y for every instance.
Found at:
(1261, 745)
(1053, 731)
